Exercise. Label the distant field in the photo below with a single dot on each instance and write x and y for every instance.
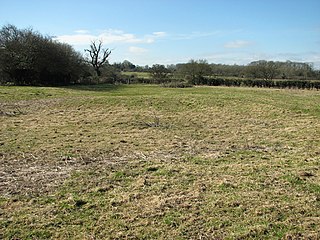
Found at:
(137, 74)
(145, 162)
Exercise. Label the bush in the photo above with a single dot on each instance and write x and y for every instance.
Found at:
(29, 58)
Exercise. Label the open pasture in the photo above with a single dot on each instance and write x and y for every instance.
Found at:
(145, 162)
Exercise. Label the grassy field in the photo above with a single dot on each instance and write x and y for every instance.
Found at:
(145, 162)
(145, 75)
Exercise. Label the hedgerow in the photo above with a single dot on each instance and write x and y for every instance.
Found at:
(298, 84)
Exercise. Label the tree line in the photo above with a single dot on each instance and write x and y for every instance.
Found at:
(30, 58)
(200, 72)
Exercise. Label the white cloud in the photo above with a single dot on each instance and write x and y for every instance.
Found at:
(237, 44)
(137, 50)
(81, 31)
(110, 36)
(76, 39)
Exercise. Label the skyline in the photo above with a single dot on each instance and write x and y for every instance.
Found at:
(168, 32)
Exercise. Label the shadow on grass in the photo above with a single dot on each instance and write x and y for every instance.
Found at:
(96, 87)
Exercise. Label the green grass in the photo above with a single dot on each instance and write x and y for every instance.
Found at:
(145, 162)
(145, 75)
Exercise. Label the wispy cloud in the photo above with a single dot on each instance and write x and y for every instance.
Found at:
(196, 34)
(238, 44)
(110, 36)
(159, 34)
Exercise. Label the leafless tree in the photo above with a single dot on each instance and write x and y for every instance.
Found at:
(98, 56)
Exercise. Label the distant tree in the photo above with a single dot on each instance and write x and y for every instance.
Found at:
(159, 73)
(110, 74)
(128, 66)
(139, 68)
(227, 70)
(267, 70)
(117, 65)
(306, 70)
(252, 71)
(172, 67)
(195, 71)
(146, 68)
(98, 56)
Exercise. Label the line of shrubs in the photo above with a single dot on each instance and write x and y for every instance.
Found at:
(176, 84)
(260, 83)
(230, 82)
(299, 84)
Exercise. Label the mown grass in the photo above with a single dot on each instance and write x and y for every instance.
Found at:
(144, 162)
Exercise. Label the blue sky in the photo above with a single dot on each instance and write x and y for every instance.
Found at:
(173, 31)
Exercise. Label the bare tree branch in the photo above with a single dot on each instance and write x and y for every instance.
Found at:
(98, 55)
